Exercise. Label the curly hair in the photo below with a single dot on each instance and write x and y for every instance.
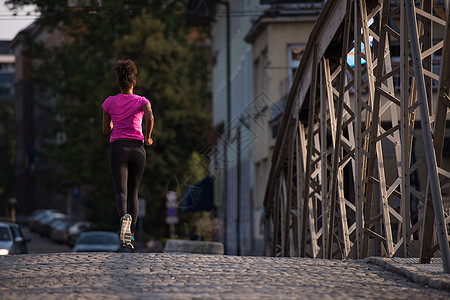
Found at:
(126, 73)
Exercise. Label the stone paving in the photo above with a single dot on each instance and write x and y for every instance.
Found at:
(196, 276)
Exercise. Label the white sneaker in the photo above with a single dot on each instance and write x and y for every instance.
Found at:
(125, 231)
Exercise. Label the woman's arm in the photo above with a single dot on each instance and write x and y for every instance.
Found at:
(107, 123)
(149, 122)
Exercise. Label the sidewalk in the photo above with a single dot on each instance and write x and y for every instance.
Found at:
(429, 274)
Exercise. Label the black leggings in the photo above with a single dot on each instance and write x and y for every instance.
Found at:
(127, 163)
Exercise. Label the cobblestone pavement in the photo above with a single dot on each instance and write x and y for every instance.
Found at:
(431, 274)
(192, 276)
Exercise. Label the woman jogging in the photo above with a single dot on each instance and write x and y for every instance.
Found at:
(122, 119)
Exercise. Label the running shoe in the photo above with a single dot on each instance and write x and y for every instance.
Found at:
(125, 234)
(130, 245)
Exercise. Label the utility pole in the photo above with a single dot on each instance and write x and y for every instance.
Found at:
(228, 99)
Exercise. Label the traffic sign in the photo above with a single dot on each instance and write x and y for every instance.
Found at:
(142, 208)
(172, 208)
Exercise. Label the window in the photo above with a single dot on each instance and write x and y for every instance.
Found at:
(295, 54)
(6, 90)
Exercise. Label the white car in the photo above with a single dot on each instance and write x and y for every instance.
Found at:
(12, 240)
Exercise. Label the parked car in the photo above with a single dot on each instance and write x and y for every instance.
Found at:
(35, 218)
(12, 241)
(57, 223)
(60, 231)
(76, 229)
(43, 226)
(99, 241)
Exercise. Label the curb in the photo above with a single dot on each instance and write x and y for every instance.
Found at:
(437, 280)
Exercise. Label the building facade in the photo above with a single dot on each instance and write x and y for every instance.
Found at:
(266, 41)
(278, 38)
(233, 162)
(33, 122)
(7, 60)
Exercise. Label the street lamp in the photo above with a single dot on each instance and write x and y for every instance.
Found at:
(13, 202)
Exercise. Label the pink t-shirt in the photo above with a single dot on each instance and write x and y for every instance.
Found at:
(126, 113)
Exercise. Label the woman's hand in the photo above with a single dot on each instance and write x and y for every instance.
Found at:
(149, 121)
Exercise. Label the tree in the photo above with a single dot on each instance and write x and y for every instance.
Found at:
(78, 72)
(165, 77)
(7, 159)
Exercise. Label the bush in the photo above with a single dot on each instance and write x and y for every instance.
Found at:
(204, 227)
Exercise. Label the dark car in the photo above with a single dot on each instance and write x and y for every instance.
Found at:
(35, 218)
(43, 226)
(76, 229)
(60, 230)
(99, 241)
(12, 241)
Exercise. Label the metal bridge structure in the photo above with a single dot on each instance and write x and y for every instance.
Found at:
(372, 85)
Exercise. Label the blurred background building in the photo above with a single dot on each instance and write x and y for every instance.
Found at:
(6, 125)
(33, 108)
(257, 45)
(6, 72)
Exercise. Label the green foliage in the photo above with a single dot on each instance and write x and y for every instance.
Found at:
(7, 157)
(198, 166)
(203, 226)
(181, 122)
(171, 74)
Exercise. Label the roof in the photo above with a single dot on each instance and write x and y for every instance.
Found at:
(281, 15)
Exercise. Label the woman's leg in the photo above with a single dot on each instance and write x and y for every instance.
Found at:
(136, 168)
(119, 171)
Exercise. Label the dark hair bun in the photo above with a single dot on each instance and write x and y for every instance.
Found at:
(126, 73)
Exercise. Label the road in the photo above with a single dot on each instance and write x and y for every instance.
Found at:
(193, 276)
(39, 244)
